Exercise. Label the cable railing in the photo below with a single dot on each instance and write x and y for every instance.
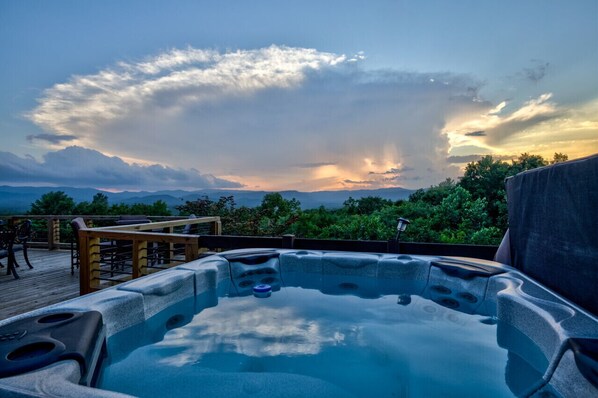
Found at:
(114, 254)
(54, 232)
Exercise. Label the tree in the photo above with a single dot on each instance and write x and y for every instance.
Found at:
(525, 161)
(559, 157)
(276, 214)
(358, 226)
(367, 205)
(435, 194)
(98, 205)
(53, 203)
(235, 221)
(458, 218)
(486, 179)
(311, 222)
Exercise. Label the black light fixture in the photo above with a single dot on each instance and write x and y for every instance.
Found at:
(401, 226)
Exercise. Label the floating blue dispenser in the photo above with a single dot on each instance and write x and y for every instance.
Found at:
(262, 291)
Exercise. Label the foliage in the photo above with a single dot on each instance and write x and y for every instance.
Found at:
(559, 157)
(53, 203)
(485, 178)
(273, 217)
(277, 214)
(99, 205)
(235, 221)
(367, 205)
(59, 203)
(472, 210)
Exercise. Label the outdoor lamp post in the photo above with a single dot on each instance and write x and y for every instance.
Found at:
(401, 226)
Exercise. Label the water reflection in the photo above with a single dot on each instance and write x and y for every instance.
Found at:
(242, 327)
(380, 345)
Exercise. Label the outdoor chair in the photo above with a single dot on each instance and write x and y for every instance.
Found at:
(23, 234)
(132, 219)
(3, 250)
(123, 255)
(107, 249)
(7, 238)
(190, 229)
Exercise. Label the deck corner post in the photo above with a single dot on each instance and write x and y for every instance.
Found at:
(89, 263)
(191, 250)
(392, 246)
(288, 241)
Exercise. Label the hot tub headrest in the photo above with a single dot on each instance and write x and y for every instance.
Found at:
(553, 227)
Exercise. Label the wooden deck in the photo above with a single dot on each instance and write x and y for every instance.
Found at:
(50, 281)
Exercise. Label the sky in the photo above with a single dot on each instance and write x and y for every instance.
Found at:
(289, 95)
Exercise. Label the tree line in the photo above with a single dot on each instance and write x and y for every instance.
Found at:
(471, 210)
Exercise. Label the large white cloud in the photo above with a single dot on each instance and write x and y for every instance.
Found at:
(275, 117)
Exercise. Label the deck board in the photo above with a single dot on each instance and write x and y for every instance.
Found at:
(49, 282)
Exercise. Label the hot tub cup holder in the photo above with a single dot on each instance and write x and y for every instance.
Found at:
(54, 318)
(33, 352)
(32, 343)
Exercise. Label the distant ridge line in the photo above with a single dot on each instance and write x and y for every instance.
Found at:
(19, 199)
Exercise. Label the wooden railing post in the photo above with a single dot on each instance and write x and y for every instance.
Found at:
(139, 258)
(94, 263)
(89, 263)
(84, 287)
(191, 250)
(216, 227)
(53, 233)
(168, 246)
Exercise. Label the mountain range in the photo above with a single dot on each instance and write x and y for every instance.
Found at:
(14, 200)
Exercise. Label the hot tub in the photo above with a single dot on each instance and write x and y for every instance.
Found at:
(296, 323)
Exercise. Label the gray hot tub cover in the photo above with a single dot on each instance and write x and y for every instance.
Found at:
(553, 228)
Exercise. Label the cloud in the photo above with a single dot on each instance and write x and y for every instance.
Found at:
(463, 158)
(315, 165)
(537, 71)
(495, 126)
(172, 81)
(394, 170)
(52, 138)
(366, 182)
(76, 166)
(479, 133)
(276, 117)
(238, 326)
(532, 113)
(476, 157)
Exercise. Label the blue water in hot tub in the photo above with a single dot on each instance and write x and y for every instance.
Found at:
(301, 342)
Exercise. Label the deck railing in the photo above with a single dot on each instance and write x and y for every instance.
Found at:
(146, 252)
(54, 232)
(115, 254)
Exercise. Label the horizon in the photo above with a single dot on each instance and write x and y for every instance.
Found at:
(147, 96)
(20, 199)
(202, 189)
